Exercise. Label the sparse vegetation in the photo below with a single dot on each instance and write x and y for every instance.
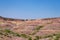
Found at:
(7, 25)
(24, 35)
(38, 27)
(30, 38)
(57, 37)
(36, 38)
(36, 30)
(8, 32)
(47, 36)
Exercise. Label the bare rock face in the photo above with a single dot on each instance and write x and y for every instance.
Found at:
(33, 29)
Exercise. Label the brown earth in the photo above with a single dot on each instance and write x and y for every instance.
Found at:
(44, 29)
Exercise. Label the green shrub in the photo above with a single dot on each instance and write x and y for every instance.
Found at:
(11, 32)
(38, 27)
(8, 31)
(48, 36)
(36, 30)
(36, 38)
(57, 37)
(1, 33)
(24, 35)
(16, 34)
(29, 38)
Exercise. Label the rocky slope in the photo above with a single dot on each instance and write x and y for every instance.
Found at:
(34, 29)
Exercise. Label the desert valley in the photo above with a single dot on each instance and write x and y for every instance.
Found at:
(33, 29)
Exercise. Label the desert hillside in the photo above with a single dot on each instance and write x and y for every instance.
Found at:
(33, 29)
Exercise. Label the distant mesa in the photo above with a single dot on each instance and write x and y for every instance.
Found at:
(12, 19)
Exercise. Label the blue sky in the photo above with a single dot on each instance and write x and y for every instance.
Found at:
(30, 9)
